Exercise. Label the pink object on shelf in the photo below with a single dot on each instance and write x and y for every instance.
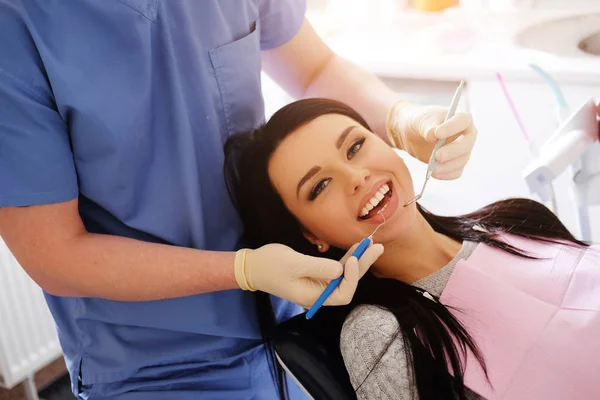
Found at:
(513, 108)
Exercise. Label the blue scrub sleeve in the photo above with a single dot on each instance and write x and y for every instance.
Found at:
(36, 162)
(280, 20)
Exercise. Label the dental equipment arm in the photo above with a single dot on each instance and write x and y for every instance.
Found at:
(569, 146)
(573, 137)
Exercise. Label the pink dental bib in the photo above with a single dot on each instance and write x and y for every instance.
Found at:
(536, 322)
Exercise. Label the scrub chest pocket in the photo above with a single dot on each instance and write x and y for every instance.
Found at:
(237, 68)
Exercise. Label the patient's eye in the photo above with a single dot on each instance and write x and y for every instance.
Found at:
(318, 188)
(356, 146)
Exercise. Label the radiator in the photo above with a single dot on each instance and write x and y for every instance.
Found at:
(28, 339)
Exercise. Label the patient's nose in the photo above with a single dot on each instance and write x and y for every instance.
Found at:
(358, 176)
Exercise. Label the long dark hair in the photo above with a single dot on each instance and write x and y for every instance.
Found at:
(435, 341)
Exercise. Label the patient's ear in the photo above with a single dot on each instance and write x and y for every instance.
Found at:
(321, 245)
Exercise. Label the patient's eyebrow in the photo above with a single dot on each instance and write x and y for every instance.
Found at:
(343, 136)
(306, 177)
(338, 144)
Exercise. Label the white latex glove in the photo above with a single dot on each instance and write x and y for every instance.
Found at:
(415, 129)
(285, 273)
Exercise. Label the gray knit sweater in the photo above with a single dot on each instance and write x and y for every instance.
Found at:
(369, 329)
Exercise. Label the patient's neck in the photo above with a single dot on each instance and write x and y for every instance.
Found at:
(417, 254)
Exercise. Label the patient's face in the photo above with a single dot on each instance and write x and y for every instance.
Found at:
(340, 180)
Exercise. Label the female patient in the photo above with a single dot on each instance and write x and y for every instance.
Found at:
(500, 303)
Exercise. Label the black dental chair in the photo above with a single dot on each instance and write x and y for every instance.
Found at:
(309, 350)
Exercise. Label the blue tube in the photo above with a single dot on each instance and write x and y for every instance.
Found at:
(558, 95)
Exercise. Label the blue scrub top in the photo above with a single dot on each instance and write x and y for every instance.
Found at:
(126, 104)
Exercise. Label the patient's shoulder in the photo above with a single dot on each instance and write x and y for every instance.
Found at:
(374, 353)
(369, 329)
(369, 318)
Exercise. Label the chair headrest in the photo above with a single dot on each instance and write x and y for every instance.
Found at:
(310, 351)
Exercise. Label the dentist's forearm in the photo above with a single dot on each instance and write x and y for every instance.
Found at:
(52, 245)
(123, 269)
(344, 81)
(306, 67)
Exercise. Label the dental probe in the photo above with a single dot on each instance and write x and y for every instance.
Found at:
(432, 161)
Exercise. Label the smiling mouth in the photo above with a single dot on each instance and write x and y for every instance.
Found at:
(378, 203)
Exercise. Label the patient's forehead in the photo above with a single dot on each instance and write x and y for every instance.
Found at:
(318, 134)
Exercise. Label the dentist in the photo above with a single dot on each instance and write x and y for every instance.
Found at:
(113, 116)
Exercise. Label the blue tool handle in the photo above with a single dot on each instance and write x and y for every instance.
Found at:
(358, 252)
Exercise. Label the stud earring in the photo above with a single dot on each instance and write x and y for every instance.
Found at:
(320, 247)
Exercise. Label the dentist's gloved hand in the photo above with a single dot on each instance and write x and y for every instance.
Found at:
(415, 129)
(285, 273)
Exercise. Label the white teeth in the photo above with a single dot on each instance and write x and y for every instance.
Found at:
(374, 201)
(384, 189)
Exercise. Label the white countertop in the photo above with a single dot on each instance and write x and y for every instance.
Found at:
(406, 45)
